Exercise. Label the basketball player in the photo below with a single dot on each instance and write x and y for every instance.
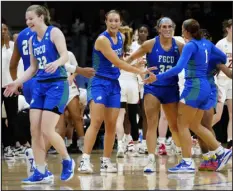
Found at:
(48, 54)
(162, 51)
(195, 96)
(224, 83)
(130, 98)
(104, 91)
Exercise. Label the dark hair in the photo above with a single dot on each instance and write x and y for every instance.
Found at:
(145, 26)
(40, 10)
(113, 11)
(193, 27)
(159, 22)
(226, 24)
(205, 34)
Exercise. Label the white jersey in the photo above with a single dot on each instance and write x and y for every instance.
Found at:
(126, 75)
(70, 68)
(225, 46)
(181, 75)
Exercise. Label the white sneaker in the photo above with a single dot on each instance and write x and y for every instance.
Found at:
(30, 161)
(107, 166)
(120, 150)
(20, 152)
(143, 148)
(9, 153)
(85, 166)
(136, 150)
(151, 165)
(130, 146)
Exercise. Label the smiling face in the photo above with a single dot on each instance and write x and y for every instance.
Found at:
(34, 21)
(113, 22)
(166, 29)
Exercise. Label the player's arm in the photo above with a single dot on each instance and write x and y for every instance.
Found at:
(58, 39)
(146, 47)
(103, 45)
(225, 70)
(182, 62)
(32, 69)
(14, 62)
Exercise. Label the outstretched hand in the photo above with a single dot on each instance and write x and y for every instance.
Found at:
(11, 88)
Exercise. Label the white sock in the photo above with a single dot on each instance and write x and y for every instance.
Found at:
(161, 140)
(105, 159)
(86, 156)
(67, 158)
(219, 150)
(188, 160)
(144, 141)
(41, 168)
(151, 156)
(69, 142)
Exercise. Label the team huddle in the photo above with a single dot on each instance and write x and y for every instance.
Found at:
(148, 71)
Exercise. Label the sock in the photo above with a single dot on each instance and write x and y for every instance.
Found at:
(105, 159)
(144, 141)
(41, 168)
(151, 156)
(86, 156)
(17, 145)
(81, 138)
(161, 140)
(219, 150)
(188, 160)
(67, 158)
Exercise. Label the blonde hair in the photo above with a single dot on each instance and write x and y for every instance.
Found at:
(40, 10)
(128, 32)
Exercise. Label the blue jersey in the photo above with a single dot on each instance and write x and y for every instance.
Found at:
(195, 58)
(164, 60)
(46, 52)
(101, 64)
(22, 45)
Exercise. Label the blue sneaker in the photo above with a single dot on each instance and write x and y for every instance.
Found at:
(68, 169)
(37, 178)
(183, 167)
(223, 159)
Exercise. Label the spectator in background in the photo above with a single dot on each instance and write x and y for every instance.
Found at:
(53, 18)
(10, 103)
(79, 39)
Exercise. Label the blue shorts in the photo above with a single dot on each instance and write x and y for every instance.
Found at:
(165, 94)
(28, 89)
(197, 93)
(104, 91)
(50, 96)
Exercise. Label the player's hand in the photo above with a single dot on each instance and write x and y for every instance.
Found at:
(51, 67)
(86, 72)
(11, 88)
(150, 79)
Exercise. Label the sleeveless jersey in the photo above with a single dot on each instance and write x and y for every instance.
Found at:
(45, 52)
(163, 60)
(101, 64)
(23, 46)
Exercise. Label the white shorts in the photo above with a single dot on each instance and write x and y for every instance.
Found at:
(129, 91)
(225, 88)
(83, 96)
(73, 92)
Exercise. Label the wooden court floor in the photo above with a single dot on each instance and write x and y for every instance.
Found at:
(130, 176)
